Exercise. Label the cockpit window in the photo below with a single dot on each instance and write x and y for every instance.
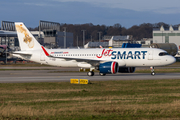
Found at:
(163, 53)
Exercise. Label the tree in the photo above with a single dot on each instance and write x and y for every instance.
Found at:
(138, 32)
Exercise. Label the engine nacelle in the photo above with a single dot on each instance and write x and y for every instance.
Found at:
(108, 67)
(126, 69)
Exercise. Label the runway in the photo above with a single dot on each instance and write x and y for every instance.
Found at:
(56, 75)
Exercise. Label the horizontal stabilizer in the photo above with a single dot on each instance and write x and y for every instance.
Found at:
(22, 53)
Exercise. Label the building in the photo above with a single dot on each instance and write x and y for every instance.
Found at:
(96, 44)
(171, 35)
(117, 41)
(110, 41)
(57, 39)
(146, 42)
(48, 35)
(48, 38)
(10, 38)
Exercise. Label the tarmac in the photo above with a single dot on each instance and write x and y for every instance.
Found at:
(59, 74)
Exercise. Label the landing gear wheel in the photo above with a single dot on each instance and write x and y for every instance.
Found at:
(102, 74)
(153, 73)
(90, 73)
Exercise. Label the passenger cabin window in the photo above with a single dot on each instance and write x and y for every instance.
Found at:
(163, 54)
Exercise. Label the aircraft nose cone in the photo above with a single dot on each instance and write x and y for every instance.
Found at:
(172, 60)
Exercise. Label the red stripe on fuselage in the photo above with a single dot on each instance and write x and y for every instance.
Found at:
(46, 53)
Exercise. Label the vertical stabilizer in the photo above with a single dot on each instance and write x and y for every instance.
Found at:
(26, 39)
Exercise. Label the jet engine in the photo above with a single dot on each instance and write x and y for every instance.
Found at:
(108, 67)
(126, 69)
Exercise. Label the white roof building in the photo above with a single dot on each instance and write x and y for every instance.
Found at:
(111, 41)
(171, 35)
(117, 41)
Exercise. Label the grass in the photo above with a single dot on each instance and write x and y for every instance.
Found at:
(138, 99)
(176, 64)
(24, 65)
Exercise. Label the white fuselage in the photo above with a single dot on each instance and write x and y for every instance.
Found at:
(125, 57)
(106, 60)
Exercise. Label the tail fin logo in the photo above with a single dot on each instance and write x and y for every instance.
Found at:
(27, 39)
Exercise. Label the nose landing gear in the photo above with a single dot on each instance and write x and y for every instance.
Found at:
(152, 71)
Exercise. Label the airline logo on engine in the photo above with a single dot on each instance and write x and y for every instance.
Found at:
(123, 54)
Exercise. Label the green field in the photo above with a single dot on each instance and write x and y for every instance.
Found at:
(24, 65)
(138, 99)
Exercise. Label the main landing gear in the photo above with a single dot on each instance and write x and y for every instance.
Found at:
(91, 72)
(152, 71)
(102, 74)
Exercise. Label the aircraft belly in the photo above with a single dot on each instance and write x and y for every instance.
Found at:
(61, 62)
(144, 62)
(138, 63)
(121, 63)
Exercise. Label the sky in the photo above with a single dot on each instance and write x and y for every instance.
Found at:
(98, 12)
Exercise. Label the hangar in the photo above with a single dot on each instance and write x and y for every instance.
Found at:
(49, 35)
(171, 35)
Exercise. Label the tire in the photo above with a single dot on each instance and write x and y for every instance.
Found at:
(102, 74)
(90, 73)
(153, 73)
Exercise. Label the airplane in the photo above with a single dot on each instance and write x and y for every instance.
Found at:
(106, 60)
